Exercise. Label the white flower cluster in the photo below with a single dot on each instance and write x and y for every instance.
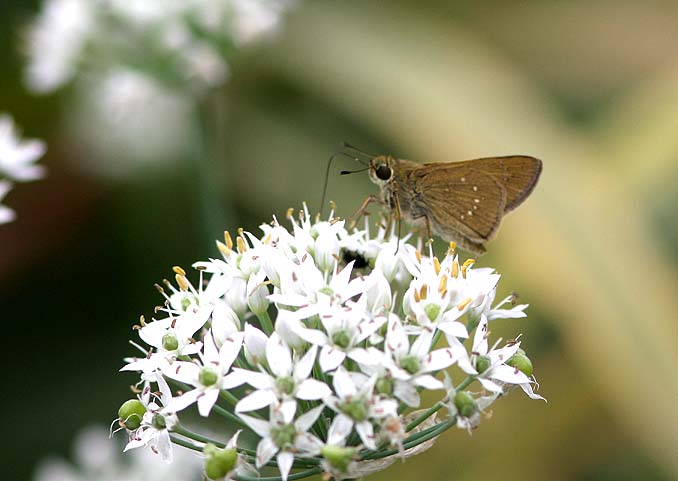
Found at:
(17, 162)
(180, 40)
(321, 340)
(140, 68)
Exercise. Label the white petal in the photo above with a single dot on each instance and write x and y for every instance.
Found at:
(369, 327)
(278, 356)
(266, 449)
(257, 380)
(255, 400)
(456, 329)
(312, 336)
(287, 409)
(527, 387)
(305, 365)
(330, 358)
(308, 419)
(438, 359)
(285, 460)
(259, 426)
(339, 430)
(255, 344)
(365, 357)
(490, 385)
(343, 384)
(230, 349)
(186, 372)
(164, 445)
(312, 389)
(422, 345)
(407, 393)
(182, 402)
(366, 434)
(509, 374)
(429, 382)
(234, 379)
(206, 401)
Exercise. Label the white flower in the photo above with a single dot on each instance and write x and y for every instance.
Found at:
(209, 377)
(155, 427)
(290, 379)
(357, 405)
(17, 156)
(55, 42)
(282, 435)
(6, 214)
(494, 373)
(413, 364)
(486, 308)
(96, 458)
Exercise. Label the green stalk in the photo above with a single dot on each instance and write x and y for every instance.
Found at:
(266, 323)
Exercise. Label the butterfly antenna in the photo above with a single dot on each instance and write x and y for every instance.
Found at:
(327, 174)
(360, 151)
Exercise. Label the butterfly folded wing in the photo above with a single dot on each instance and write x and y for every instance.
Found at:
(461, 205)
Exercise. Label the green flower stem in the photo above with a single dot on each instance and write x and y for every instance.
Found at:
(299, 463)
(209, 162)
(437, 406)
(291, 477)
(266, 323)
(414, 440)
(216, 408)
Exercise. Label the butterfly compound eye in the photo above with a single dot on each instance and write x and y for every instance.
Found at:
(384, 172)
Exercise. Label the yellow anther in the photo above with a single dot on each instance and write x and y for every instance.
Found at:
(436, 265)
(416, 296)
(228, 240)
(442, 286)
(223, 248)
(179, 270)
(267, 239)
(417, 254)
(424, 291)
(182, 282)
(241, 231)
(240, 242)
(333, 205)
(455, 268)
(142, 321)
(468, 263)
(289, 213)
(462, 305)
(452, 248)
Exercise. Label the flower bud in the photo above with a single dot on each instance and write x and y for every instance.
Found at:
(326, 250)
(219, 462)
(130, 413)
(483, 363)
(208, 376)
(465, 404)
(283, 436)
(170, 342)
(521, 362)
(338, 457)
(384, 386)
(257, 295)
(355, 409)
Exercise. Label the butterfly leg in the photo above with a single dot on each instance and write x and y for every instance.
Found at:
(399, 220)
(361, 210)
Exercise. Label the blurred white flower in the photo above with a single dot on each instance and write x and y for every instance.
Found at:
(125, 111)
(6, 214)
(55, 43)
(97, 458)
(17, 156)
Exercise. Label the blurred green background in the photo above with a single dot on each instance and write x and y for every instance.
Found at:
(589, 87)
